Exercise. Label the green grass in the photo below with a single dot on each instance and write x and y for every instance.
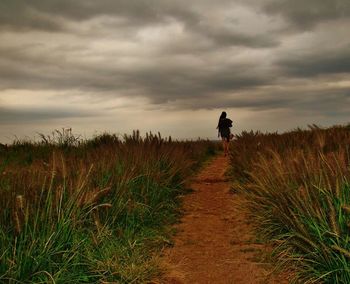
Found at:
(297, 190)
(95, 211)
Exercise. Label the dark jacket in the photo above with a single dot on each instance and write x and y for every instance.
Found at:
(224, 127)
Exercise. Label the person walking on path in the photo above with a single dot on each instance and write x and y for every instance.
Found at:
(224, 131)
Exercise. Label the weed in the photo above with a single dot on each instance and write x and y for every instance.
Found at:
(90, 211)
(297, 192)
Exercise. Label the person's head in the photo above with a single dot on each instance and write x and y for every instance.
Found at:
(223, 115)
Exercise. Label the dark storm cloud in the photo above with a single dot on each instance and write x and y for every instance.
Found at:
(33, 67)
(20, 15)
(50, 14)
(162, 80)
(227, 37)
(317, 63)
(255, 102)
(166, 83)
(328, 103)
(189, 53)
(23, 115)
(306, 14)
(160, 83)
(331, 102)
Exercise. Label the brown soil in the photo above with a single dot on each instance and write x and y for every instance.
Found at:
(215, 243)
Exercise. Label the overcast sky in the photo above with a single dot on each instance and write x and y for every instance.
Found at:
(172, 66)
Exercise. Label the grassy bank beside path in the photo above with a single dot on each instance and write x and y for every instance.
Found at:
(297, 190)
(92, 211)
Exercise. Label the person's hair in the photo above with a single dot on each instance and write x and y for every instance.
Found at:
(222, 116)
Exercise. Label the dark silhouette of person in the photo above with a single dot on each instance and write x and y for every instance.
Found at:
(224, 131)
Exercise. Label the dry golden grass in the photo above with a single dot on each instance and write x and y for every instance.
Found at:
(69, 207)
(297, 190)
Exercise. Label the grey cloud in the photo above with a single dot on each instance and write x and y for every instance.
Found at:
(254, 102)
(317, 63)
(51, 15)
(21, 15)
(214, 75)
(36, 67)
(223, 36)
(162, 80)
(329, 103)
(226, 37)
(305, 15)
(24, 115)
(167, 83)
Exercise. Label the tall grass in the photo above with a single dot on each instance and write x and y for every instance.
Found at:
(90, 211)
(297, 190)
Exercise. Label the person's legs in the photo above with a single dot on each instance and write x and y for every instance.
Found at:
(225, 145)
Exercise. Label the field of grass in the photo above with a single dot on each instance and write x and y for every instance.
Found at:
(297, 189)
(99, 210)
(90, 211)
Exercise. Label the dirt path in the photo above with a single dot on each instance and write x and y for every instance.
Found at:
(214, 243)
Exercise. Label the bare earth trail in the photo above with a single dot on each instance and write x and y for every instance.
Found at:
(214, 243)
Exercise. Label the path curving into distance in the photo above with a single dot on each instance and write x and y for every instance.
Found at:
(214, 241)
